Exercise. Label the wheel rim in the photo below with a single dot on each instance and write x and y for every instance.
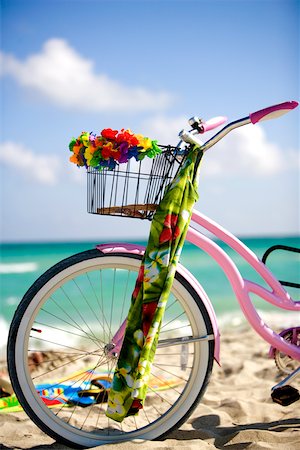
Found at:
(284, 362)
(59, 343)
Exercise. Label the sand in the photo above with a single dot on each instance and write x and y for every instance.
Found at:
(236, 412)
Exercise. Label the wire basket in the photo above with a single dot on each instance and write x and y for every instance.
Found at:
(133, 189)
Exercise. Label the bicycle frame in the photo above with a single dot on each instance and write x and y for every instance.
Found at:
(242, 288)
(99, 281)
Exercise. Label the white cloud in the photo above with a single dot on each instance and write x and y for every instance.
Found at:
(245, 151)
(41, 168)
(164, 129)
(69, 79)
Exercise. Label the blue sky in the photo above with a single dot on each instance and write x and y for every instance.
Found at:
(74, 65)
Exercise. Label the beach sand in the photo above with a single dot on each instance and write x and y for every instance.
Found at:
(236, 412)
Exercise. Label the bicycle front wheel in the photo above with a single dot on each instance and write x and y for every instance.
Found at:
(59, 359)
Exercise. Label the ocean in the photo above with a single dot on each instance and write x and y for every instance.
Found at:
(22, 263)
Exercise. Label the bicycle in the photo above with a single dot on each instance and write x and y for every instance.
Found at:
(74, 315)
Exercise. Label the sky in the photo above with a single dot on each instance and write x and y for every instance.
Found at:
(74, 65)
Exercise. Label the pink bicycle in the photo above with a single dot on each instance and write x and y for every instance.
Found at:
(73, 317)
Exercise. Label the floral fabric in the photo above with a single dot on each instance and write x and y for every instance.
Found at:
(167, 234)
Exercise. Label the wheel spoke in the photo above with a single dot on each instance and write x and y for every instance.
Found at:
(72, 325)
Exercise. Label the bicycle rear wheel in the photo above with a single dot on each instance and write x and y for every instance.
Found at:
(59, 336)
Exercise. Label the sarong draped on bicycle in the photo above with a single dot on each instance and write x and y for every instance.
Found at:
(149, 298)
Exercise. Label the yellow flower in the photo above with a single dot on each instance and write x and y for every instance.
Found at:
(85, 139)
(89, 153)
(144, 142)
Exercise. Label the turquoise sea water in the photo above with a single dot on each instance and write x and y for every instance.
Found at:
(21, 264)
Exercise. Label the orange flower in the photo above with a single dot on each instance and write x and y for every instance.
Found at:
(77, 159)
(73, 159)
(77, 147)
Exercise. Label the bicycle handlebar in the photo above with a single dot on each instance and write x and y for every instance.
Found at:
(263, 114)
(203, 127)
(272, 111)
(213, 123)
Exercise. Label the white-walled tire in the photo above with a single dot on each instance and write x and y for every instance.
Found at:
(65, 320)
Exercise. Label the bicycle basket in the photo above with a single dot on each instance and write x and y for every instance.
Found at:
(133, 189)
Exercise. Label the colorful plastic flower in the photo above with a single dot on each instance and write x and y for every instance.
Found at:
(74, 159)
(92, 137)
(77, 147)
(127, 136)
(109, 164)
(107, 150)
(77, 159)
(111, 148)
(123, 152)
(71, 144)
(108, 133)
(154, 150)
(143, 142)
(133, 153)
(85, 138)
(89, 155)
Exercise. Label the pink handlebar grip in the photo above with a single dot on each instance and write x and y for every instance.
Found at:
(272, 111)
(212, 123)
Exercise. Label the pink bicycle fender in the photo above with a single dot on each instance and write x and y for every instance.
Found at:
(272, 111)
(139, 249)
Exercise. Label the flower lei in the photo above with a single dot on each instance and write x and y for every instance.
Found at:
(112, 147)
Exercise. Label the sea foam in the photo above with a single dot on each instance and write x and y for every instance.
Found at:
(6, 268)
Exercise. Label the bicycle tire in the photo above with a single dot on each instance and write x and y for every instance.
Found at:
(33, 306)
